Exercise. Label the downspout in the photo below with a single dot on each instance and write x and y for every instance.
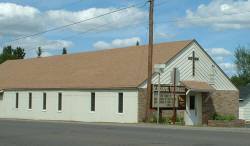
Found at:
(186, 105)
(188, 91)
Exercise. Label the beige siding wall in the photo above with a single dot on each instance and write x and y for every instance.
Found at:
(75, 106)
(244, 111)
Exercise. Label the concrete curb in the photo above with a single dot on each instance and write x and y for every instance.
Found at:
(143, 125)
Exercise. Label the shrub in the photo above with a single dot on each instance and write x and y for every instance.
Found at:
(169, 119)
(166, 119)
(155, 119)
(179, 119)
(224, 117)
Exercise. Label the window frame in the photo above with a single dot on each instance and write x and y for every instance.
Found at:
(192, 106)
(44, 101)
(30, 101)
(120, 103)
(59, 108)
(17, 100)
(92, 102)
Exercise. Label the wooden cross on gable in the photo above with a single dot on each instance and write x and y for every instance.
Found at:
(193, 58)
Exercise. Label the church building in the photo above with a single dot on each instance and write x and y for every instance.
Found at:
(110, 85)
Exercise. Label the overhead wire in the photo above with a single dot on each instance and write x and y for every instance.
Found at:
(94, 28)
(78, 22)
(71, 24)
(84, 32)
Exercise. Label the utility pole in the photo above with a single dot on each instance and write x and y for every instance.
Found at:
(150, 57)
(174, 108)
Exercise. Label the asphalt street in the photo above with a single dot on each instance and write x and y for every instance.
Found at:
(35, 133)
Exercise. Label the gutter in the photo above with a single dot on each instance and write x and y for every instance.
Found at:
(199, 90)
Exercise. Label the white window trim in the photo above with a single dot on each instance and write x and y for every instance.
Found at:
(92, 112)
(120, 113)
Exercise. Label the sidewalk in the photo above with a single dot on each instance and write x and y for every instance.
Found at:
(146, 125)
(176, 127)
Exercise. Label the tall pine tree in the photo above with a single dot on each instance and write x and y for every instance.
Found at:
(39, 52)
(64, 51)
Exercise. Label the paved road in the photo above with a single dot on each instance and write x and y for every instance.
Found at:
(33, 133)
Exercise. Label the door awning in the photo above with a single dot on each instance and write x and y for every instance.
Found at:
(198, 86)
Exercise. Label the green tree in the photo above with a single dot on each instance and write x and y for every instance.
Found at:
(19, 53)
(64, 51)
(9, 54)
(6, 54)
(39, 52)
(7, 50)
(242, 55)
(137, 43)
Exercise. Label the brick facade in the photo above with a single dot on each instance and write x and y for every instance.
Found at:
(142, 107)
(221, 102)
(141, 104)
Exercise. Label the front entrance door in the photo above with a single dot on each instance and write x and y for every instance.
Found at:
(193, 114)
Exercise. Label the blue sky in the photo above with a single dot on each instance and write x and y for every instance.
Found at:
(218, 25)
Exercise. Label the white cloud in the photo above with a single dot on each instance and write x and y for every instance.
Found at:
(117, 43)
(164, 36)
(212, 15)
(46, 54)
(19, 20)
(219, 52)
(229, 68)
(22, 20)
(120, 19)
(31, 45)
(219, 58)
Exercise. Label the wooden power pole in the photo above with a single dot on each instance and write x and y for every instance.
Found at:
(150, 57)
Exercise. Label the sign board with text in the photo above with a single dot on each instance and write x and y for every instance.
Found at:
(166, 99)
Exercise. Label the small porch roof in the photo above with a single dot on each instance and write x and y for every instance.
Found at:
(198, 86)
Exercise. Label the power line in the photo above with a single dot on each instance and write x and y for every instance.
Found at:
(81, 33)
(175, 20)
(61, 27)
(94, 28)
(71, 24)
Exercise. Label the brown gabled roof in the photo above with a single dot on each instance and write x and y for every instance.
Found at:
(196, 85)
(113, 68)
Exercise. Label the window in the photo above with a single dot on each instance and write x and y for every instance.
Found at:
(59, 101)
(30, 100)
(120, 103)
(181, 102)
(92, 101)
(17, 96)
(44, 101)
(192, 102)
